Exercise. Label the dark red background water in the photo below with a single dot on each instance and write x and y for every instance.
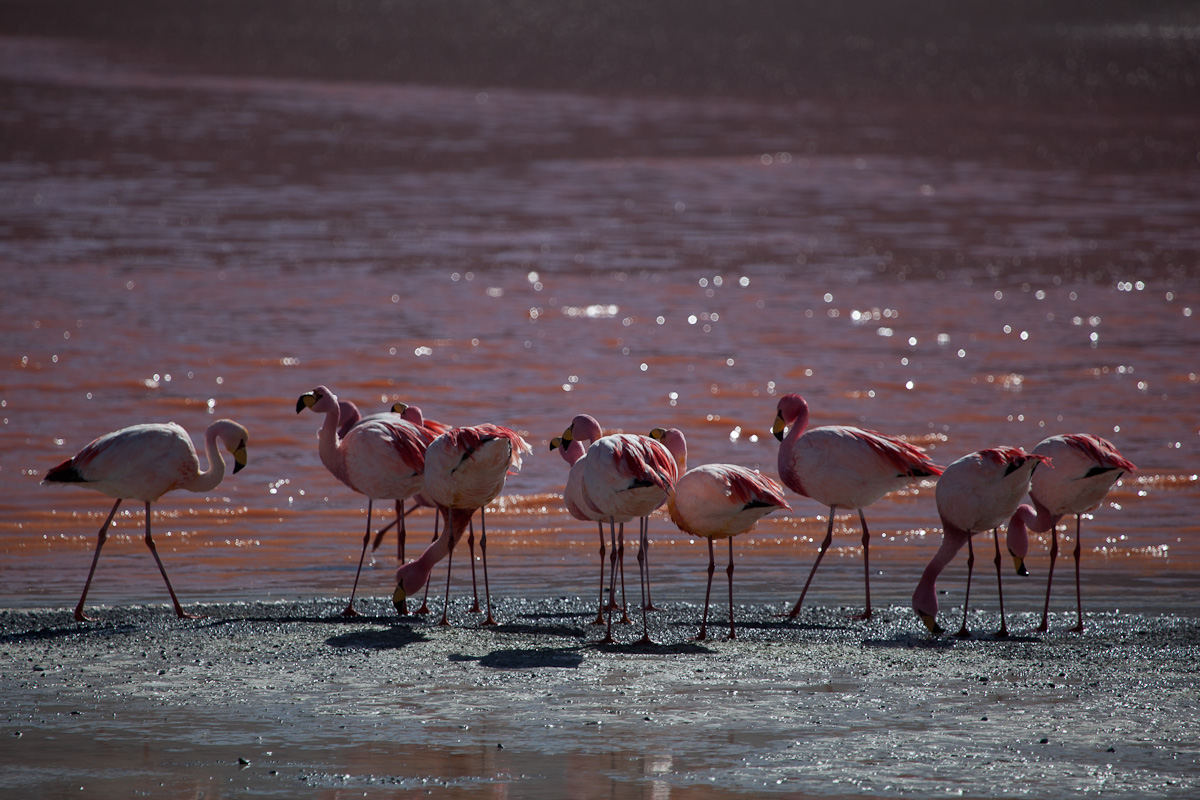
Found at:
(968, 231)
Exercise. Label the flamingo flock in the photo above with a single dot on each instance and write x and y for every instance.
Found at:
(615, 478)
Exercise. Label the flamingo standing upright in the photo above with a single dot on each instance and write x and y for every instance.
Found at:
(382, 457)
(1084, 468)
(976, 493)
(577, 503)
(144, 462)
(842, 467)
(465, 469)
(717, 501)
(624, 476)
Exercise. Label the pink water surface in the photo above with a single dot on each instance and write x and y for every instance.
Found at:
(214, 246)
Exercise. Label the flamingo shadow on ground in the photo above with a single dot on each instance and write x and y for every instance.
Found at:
(565, 631)
(558, 657)
(392, 638)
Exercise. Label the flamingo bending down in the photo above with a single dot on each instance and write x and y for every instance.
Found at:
(465, 469)
(577, 503)
(144, 462)
(976, 493)
(624, 476)
(717, 501)
(1085, 467)
(382, 457)
(842, 467)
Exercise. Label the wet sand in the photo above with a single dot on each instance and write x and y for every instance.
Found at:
(275, 699)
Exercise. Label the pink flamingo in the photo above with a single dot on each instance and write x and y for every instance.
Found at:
(382, 457)
(1085, 467)
(144, 462)
(624, 476)
(577, 503)
(717, 501)
(465, 469)
(842, 467)
(976, 493)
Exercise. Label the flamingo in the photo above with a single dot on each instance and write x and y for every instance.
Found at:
(1085, 467)
(842, 467)
(624, 476)
(465, 469)
(144, 462)
(578, 506)
(976, 493)
(382, 457)
(717, 501)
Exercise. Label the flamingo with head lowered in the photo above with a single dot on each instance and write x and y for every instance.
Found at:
(1085, 467)
(465, 469)
(976, 493)
(381, 456)
(144, 462)
(717, 501)
(842, 467)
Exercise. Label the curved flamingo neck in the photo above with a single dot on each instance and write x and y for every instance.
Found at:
(585, 428)
(210, 478)
(925, 596)
(328, 443)
(573, 452)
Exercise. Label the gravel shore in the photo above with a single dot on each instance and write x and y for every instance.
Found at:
(267, 698)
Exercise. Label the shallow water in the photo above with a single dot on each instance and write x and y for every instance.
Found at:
(187, 246)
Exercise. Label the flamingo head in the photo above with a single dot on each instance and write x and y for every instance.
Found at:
(584, 427)
(234, 437)
(674, 441)
(320, 400)
(791, 412)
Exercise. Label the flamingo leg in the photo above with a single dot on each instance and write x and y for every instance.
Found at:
(445, 620)
(179, 612)
(101, 538)
(612, 580)
(821, 554)
(471, 548)
(383, 531)
(1049, 578)
(644, 547)
(487, 592)
(712, 566)
(437, 517)
(621, 561)
(350, 612)
(866, 543)
(963, 632)
(1000, 583)
(643, 578)
(729, 572)
(599, 620)
(1078, 594)
(400, 554)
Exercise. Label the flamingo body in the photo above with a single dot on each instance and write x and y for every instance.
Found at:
(842, 467)
(976, 493)
(144, 462)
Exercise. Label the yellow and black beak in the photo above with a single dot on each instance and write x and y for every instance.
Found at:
(399, 408)
(931, 623)
(778, 427)
(306, 401)
(556, 443)
(658, 434)
(239, 457)
(400, 599)
(1019, 563)
(567, 437)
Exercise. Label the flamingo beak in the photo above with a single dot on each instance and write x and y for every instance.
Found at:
(399, 408)
(1020, 563)
(556, 443)
(239, 457)
(305, 401)
(778, 428)
(931, 623)
(399, 599)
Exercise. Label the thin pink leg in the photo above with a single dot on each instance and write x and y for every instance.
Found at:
(437, 516)
(621, 562)
(866, 543)
(642, 577)
(487, 592)
(1049, 578)
(471, 549)
(179, 612)
(820, 554)
(101, 538)
(350, 612)
(599, 620)
(644, 547)
(612, 581)
(963, 632)
(1078, 594)
(1000, 584)
(712, 566)
(729, 572)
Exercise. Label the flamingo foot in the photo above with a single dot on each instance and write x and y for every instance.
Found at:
(645, 639)
(650, 607)
(1002, 633)
(1043, 627)
(81, 617)
(475, 609)
(599, 620)
(351, 611)
(963, 633)
(424, 609)
(864, 615)
(1078, 628)
(444, 621)
(701, 636)
(186, 615)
